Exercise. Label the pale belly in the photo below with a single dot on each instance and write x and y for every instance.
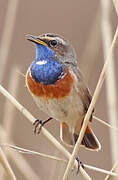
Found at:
(68, 109)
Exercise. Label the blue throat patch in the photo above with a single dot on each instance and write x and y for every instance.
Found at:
(46, 69)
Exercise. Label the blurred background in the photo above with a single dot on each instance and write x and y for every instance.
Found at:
(90, 27)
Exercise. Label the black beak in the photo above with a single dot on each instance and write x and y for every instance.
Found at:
(35, 39)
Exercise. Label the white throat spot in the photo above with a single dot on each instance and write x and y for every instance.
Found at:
(41, 62)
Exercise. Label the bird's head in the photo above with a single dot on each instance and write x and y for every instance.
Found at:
(53, 55)
(52, 45)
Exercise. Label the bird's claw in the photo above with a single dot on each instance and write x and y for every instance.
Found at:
(79, 164)
(38, 124)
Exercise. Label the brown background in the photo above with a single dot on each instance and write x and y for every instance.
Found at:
(75, 21)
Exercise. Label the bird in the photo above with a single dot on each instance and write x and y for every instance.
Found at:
(58, 88)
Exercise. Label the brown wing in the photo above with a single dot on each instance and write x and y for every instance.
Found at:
(84, 94)
(83, 91)
(90, 141)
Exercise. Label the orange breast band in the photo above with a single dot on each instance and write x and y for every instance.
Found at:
(58, 90)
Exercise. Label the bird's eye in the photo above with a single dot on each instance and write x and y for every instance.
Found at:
(53, 43)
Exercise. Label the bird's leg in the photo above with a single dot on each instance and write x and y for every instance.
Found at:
(77, 158)
(79, 164)
(38, 124)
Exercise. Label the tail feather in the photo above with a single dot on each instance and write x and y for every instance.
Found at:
(65, 134)
(90, 141)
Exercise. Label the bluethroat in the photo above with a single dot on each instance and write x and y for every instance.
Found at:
(58, 88)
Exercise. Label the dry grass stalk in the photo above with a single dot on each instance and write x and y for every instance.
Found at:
(27, 151)
(19, 160)
(111, 77)
(115, 2)
(9, 116)
(106, 124)
(114, 169)
(6, 166)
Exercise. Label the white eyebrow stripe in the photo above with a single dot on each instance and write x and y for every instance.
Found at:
(61, 40)
(55, 38)
(42, 62)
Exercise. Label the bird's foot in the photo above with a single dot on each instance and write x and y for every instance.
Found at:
(79, 164)
(38, 124)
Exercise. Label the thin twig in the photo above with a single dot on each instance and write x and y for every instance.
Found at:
(27, 151)
(101, 170)
(19, 161)
(91, 107)
(12, 87)
(53, 140)
(106, 124)
(114, 169)
(115, 2)
(111, 93)
(8, 118)
(6, 166)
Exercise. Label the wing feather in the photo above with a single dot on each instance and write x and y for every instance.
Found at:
(83, 90)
